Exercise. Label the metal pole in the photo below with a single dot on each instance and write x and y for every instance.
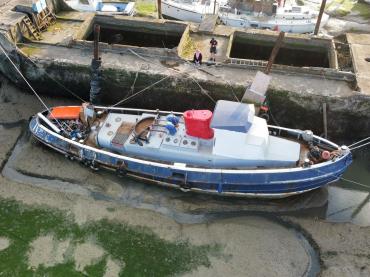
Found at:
(214, 7)
(275, 51)
(322, 8)
(159, 8)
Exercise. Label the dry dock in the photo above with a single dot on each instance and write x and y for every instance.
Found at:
(138, 52)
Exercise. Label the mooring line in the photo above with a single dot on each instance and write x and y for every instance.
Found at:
(353, 144)
(29, 85)
(24, 78)
(202, 90)
(56, 81)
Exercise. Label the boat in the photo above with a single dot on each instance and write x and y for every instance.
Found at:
(227, 152)
(254, 14)
(102, 6)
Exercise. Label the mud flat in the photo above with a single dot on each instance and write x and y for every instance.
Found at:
(58, 216)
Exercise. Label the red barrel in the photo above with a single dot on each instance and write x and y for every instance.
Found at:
(197, 123)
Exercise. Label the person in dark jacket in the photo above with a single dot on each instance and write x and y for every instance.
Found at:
(197, 59)
(213, 49)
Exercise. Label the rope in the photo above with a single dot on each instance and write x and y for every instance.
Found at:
(356, 183)
(141, 91)
(133, 84)
(219, 77)
(29, 85)
(360, 146)
(344, 179)
(177, 71)
(56, 81)
(353, 144)
(20, 73)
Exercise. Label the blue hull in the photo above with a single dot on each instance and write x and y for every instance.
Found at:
(267, 183)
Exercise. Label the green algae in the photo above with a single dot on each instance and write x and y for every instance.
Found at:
(363, 10)
(29, 50)
(145, 8)
(140, 250)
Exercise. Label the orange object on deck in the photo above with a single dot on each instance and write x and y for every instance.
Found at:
(65, 112)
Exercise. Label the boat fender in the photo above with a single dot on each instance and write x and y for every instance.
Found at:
(173, 119)
(325, 155)
(171, 128)
(307, 136)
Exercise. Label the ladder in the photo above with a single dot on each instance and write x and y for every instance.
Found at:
(45, 18)
(31, 28)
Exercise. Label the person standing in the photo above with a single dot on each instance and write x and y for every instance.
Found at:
(197, 59)
(213, 49)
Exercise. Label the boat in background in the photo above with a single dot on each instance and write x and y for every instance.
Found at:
(102, 6)
(254, 14)
(229, 152)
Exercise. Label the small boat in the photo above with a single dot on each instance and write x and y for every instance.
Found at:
(273, 16)
(228, 152)
(102, 6)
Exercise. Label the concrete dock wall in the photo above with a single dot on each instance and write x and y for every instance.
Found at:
(296, 94)
(348, 117)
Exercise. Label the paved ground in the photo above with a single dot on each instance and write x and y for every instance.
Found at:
(360, 50)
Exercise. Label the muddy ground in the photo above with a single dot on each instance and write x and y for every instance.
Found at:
(57, 216)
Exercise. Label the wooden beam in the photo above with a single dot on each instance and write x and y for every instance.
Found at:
(159, 8)
(96, 41)
(325, 120)
(274, 52)
(322, 8)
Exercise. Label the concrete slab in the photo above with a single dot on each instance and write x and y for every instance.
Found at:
(360, 50)
(201, 42)
(60, 31)
(208, 23)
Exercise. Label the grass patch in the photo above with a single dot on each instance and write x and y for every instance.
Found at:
(141, 251)
(145, 8)
(363, 9)
(340, 7)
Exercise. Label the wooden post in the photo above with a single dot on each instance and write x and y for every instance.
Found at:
(274, 52)
(325, 121)
(322, 8)
(159, 8)
(96, 41)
